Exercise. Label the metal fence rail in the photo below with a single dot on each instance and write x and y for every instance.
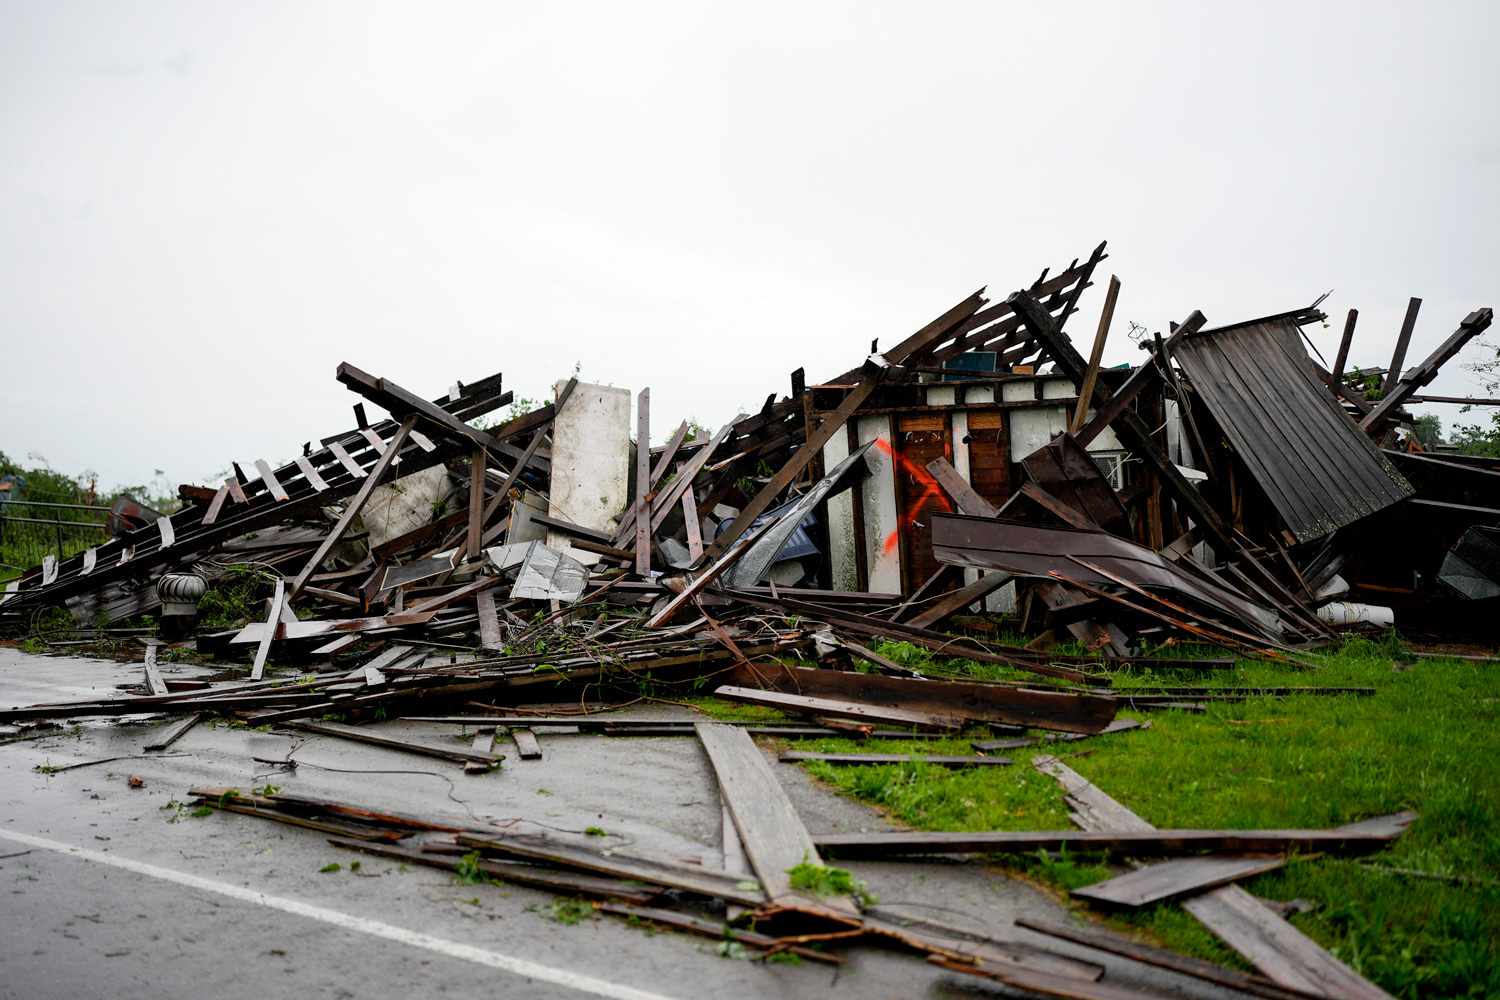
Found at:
(33, 529)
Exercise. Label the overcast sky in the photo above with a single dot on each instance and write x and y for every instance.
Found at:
(205, 207)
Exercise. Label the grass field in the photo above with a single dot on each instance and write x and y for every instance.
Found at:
(1421, 919)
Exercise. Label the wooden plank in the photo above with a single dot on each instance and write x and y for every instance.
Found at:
(941, 760)
(838, 709)
(154, 683)
(236, 491)
(90, 560)
(164, 527)
(693, 523)
(214, 506)
(454, 754)
(1276, 948)
(1126, 843)
(476, 502)
(775, 839)
(633, 865)
(1143, 377)
(489, 620)
(376, 442)
(1010, 704)
(715, 929)
(278, 599)
(526, 744)
(1175, 879)
(1096, 355)
(175, 733)
(346, 460)
(268, 478)
(352, 508)
(961, 598)
(1472, 326)
(1403, 339)
(643, 485)
(954, 484)
(1117, 944)
(532, 876)
(1342, 357)
(483, 743)
(310, 474)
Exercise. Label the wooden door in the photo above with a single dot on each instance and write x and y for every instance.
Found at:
(989, 456)
(919, 440)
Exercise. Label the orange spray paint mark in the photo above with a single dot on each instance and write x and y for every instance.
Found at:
(931, 491)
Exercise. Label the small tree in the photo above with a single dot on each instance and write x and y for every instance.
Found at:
(1483, 438)
(1428, 429)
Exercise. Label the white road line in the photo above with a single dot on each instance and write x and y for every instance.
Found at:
(375, 928)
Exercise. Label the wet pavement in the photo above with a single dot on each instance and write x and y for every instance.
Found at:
(106, 890)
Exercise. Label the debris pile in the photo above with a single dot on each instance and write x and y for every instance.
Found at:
(424, 566)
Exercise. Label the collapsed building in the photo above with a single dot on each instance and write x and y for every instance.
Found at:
(1218, 494)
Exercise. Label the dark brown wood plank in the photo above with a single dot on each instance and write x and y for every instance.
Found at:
(1096, 355)
(455, 754)
(632, 864)
(533, 876)
(957, 600)
(773, 835)
(1403, 339)
(1122, 842)
(942, 760)
(1175, 879)
(837, 709)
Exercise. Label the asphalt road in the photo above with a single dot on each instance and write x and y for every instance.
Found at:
(109, 891)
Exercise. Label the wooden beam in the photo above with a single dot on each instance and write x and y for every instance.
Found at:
(772, 833)
(1091, 376)
(1348, 338)
(959, 599)
(1472, 326)
(643, 485)
(1125, 843)
(963, 494)
(693, 524)
(273, 622)
(1403, 339)
(476, 501)
(838, 709)
(940, 760)
(1175, 879)
(1139, 379)
(352, 508)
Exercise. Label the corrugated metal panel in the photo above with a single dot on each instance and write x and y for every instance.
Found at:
(1314, 464)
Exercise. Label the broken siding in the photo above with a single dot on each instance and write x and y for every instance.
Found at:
(1314, 465)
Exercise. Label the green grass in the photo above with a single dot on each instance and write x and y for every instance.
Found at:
(1427, 740)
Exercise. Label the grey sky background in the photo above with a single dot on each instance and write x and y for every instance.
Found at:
(205, 207)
